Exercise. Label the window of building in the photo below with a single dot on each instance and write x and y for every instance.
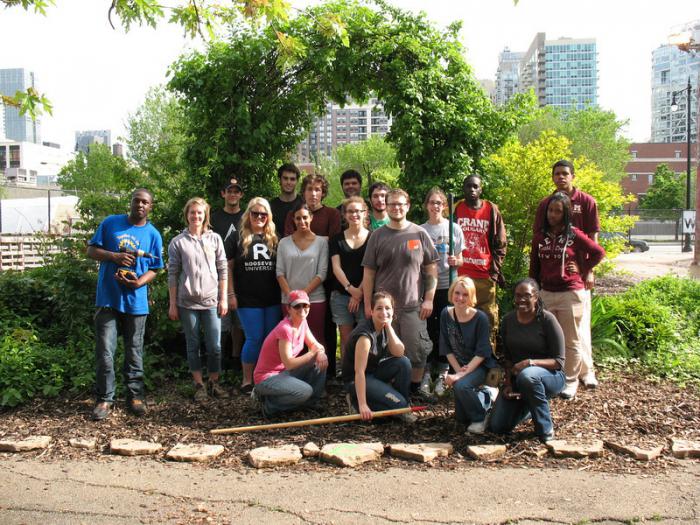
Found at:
(14, 157)
(633, 177)
(651, 178)
(634, 153)
(3, 158)
(677, 153)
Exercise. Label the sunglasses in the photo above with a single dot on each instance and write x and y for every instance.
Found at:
(300, 306)
(259, 214)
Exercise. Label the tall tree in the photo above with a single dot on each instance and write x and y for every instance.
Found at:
(666, 192)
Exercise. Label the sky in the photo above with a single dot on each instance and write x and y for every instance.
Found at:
(96, 76)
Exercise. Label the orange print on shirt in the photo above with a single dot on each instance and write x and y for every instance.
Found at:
(413, 244)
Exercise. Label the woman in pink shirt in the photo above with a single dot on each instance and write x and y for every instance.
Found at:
(284, 379)
(561, 254)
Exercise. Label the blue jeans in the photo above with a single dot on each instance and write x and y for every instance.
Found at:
(257, 323)
(291, 389)
(388, 387)
(537, 385)
(208, 321)
(471, 400)
(109, 323)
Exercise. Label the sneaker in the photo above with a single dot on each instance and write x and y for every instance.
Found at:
(101, 411)
(246, 389)
(569, 391)
(351, 407)
(477, 427)
(200, 393)
(439, 388)
(425, 383)
(590, 381)
(216, 390)
(137, 407)
(408, 417)
(256, 402)
(549, 436)
(424, 396)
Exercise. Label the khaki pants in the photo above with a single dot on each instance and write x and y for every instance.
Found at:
(486, 302)
(568, 307)
(586, 347)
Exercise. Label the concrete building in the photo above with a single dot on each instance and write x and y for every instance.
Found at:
(507, 75)
(343, 125)
(83, 139)
(646, 157)
(25, 163)
(19, 128)
(562, 73)
(670, 70)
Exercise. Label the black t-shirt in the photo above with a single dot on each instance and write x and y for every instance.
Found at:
(280, 209)
(225, 224)
(350, 261)
(378, 350)
(540, 339)
(254, 278)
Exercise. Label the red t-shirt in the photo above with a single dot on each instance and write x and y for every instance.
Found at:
(475, 226)
(584, 213)
(270, 362)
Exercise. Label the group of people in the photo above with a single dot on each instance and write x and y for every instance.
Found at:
(414, 305)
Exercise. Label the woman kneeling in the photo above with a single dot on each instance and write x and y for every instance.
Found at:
(377, 372)
(533, 346)
(286, 380)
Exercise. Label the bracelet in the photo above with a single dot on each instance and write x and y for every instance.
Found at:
(529, 362)
(232, 294)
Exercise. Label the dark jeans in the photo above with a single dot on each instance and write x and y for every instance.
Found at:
(388, 386)
(471, 399)
(537, 385)
(291, 389)
(109, 323)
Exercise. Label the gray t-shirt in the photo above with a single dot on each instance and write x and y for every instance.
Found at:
(300, 266)
(440, 236)
(398, 257)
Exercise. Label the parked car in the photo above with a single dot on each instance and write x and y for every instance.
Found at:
(634, 245)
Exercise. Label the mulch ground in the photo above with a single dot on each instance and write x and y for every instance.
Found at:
(626, 408)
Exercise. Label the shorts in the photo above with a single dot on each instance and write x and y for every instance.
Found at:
(413, 332)
(341, 314)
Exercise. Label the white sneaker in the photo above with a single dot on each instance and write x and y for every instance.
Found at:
(425, 383)
(590, 381)
(439, 388)
(478, 427)
(569, 391)
(408, 417)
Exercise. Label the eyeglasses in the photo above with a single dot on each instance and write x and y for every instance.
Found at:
(300, 306)
(397, 204)
(355, 212)
(259, 214)
(526, 296)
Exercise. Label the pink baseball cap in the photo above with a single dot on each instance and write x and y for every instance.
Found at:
(298, 297)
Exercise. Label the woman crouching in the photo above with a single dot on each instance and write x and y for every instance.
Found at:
(284, 379)
(533, 347)
(377, 373)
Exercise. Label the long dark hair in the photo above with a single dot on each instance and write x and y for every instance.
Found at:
(562, 197)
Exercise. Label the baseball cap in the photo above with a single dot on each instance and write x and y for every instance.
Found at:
(298, 297)
(233, 183)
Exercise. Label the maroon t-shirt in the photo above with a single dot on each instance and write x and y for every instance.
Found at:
(325, 222)
(584, 213)
(548, 268)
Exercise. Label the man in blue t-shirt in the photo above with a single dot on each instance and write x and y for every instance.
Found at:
(129, 250)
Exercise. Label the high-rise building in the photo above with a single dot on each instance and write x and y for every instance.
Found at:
(343, 125)
(20, 128)
(670, 70)
(507, 75)
(83, 139)
(563, 72)
(2, 121)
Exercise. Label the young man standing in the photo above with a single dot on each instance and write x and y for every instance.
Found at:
(377, 202)
(484, 246)
(225, 222)
(129, 250)
(401, 259)
(584, 215)
(288, 175)
(351, 184)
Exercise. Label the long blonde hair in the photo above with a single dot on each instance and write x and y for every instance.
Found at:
(269, 234)
(199, 201)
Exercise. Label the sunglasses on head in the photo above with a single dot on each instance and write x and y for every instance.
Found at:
(259, 214)
(301, 305)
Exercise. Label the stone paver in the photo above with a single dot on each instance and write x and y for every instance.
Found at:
(133, 447)
(576, 449)
(423, 452)
(194, 452)
(351, 454)
(486, 452)
(84, 443)
(636, 452)
(264, 457)
(25, 445)
(684, 448)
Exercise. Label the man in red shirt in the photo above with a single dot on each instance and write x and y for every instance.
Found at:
(584, 215)
(484, 246)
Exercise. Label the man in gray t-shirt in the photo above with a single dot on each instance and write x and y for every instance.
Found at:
(400, 258)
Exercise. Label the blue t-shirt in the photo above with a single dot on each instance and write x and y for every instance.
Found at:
(112, 233)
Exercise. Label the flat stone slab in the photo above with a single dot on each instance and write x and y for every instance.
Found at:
(641, 454)
(25, 445)
(486, 452)
(133, 447)
(575, 449)
(86, 444)
(351, 454)
(263, 457)
(684, 448)
(423, 452)
(194, 452)
(310, 450)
